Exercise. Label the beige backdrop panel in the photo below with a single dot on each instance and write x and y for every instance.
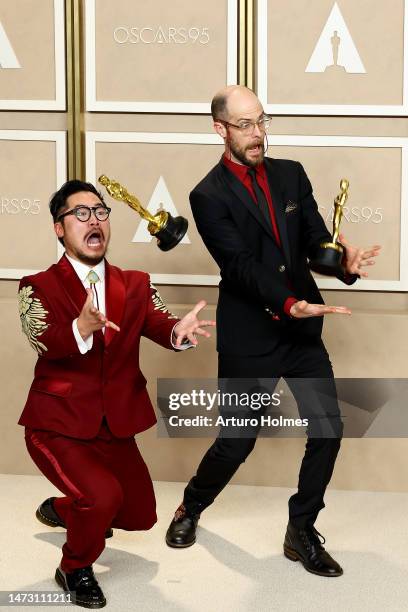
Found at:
(294, 28)
(183, 59)
(139, 166)
(27, 178)
(30, 29)
(372, 213)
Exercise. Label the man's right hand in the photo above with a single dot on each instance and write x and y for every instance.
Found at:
(91, 319)
(303, 310)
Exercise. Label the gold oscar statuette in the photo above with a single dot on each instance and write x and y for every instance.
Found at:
(328, 258)
(168, 230)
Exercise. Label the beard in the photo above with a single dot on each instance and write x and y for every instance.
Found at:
(89, 260)
(241, 153)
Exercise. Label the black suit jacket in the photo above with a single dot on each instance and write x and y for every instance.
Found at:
(256, 275)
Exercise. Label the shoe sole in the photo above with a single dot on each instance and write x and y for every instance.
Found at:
(292, 555)
(47, 521)
(59, 579)
(172, 545)
(50, 523)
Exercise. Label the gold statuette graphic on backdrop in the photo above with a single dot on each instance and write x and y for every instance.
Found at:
(167, 229)
(327, 259)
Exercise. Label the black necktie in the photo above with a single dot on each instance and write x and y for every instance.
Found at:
(260, 197)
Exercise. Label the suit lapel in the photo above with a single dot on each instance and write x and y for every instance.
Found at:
(71, 284)
(244, 196)
(275, 187)
(115, 294)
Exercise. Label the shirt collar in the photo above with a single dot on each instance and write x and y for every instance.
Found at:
(82, 269)
(240, 170)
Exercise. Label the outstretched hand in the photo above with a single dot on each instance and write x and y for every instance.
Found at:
(356, 258)
(91, 319)
(304, 310)
(190, 325)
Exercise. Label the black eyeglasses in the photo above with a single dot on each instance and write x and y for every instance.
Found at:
(248, 127)
(83, 213)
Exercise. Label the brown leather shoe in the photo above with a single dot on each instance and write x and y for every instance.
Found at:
(182, 530)
(46, 514)
(305, 546)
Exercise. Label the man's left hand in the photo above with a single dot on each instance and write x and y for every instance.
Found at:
(190, 325)
(356, 258)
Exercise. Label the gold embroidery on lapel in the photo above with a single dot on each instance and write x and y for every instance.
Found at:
(159, 304)
(32, 315)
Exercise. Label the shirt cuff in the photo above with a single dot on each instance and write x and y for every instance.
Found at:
(186, 344)
(288, 305)
(83, 345)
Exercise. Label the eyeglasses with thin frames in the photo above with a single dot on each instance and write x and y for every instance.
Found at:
(248, 127)
(83, 213)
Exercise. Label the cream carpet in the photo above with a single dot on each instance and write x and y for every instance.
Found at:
(237, 564)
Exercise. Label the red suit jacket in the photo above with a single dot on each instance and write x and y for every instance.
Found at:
(72, 392)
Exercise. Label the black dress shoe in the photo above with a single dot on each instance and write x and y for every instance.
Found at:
(83, 585)
(46, 514)
(182, 530)
(305, 546)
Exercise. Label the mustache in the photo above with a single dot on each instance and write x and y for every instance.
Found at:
(256, 143)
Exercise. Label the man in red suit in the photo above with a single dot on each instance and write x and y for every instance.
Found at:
(88, 399)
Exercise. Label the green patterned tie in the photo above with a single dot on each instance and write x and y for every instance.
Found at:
(93, 278)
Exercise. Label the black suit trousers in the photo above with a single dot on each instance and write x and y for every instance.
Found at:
(300, 359)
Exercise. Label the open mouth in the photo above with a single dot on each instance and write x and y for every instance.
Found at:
(94, 239)
(255, 149)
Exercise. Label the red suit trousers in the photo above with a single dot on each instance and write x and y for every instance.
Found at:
(105, 483)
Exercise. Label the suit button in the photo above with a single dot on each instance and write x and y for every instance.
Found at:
(282, 268)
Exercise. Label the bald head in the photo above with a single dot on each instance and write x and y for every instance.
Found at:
(230, 100)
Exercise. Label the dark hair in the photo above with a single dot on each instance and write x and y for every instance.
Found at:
(59, 200)
(219, 107)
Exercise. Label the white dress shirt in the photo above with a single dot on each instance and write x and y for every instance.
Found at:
(82, 271)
